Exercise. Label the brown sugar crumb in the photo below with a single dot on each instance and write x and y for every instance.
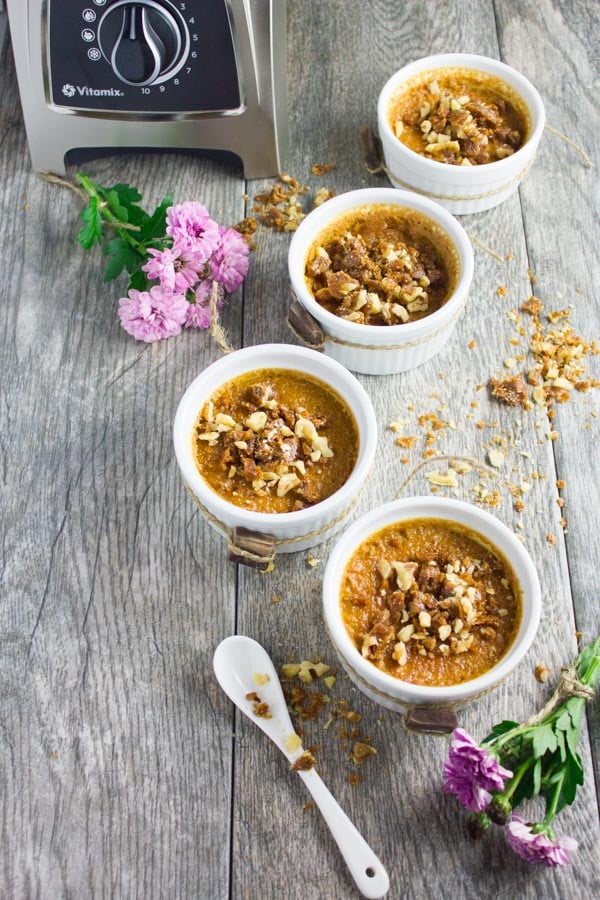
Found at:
(406, 442)
(405, 459)
(551, 538)
(560, 484)
(354, 778)
(541, 672)
(276, 598)
(319, 169)
(512, 391)
(502, 290)
(304, 762)
(260, 709)
(309, 805)
(472, 344)
(533, 306)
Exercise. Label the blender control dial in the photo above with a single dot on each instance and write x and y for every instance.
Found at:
(145, 41)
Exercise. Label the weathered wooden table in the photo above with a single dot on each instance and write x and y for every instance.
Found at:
(126, 772)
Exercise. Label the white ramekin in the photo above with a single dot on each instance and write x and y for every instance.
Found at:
(460, 189)
(381, 349)
(303, 528)
(385, 689)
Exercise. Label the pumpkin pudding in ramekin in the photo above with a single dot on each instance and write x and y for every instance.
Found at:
(383, 275)
(277, 440)
(430, 602)
(459, 128)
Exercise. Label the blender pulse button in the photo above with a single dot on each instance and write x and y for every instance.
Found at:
(88, 15)
(88, 35)
(99, 2)
(94, 54)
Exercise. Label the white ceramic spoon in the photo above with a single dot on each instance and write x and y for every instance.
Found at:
(236, 661)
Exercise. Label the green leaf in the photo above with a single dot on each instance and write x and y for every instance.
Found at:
(138, 282)
(119, 210)
(127, 197)
(569, 776)
(585, 660)
(543, 739)
(155, 226)
(500, 729)
(92, 230)
(121, 256)
(128, 194)
(562, 747)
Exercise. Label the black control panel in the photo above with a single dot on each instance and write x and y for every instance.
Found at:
(147, 56)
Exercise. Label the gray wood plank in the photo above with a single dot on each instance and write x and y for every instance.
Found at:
(116, 743)
(565, 257)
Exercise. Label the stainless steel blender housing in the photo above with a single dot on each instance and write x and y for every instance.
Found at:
(199, 74)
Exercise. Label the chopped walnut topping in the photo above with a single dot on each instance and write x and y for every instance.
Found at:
(388, 275)
(319, 169)
(304, 762)
(273, 449)
(441, 479)
(360, 752)
(460, 129)
(280, 208)
(261, 710)
(510, 390)
(496, 458)
(541, 672)
(533, 306)
(439, 609)
(293, 742)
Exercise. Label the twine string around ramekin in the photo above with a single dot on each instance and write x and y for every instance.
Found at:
(381, 167)
(269, 560)
(456, 197)
(327, 338)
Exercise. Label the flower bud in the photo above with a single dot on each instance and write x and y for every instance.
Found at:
(477, 825)
(499, 810)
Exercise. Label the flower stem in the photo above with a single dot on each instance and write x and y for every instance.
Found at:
(515, 781)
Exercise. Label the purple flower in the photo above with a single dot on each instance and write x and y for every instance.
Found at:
(190, 226)
(175, 268)
(198, 313)
(538, 848)
(471, 772)
(230, 261)
(151, 315)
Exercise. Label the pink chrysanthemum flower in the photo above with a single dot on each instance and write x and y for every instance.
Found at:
(152, 315)
(175, 267)
(190, 226)
(538, 848)
(471, 772)
(230, 261)
(198, 313)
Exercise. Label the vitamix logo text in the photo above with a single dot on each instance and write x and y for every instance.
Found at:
(69, 90)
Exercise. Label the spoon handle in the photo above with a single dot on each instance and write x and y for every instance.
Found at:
(367, 870)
